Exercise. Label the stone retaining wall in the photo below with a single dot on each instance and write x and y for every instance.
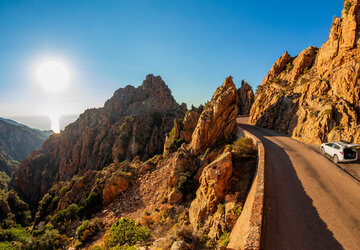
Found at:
(247, 231)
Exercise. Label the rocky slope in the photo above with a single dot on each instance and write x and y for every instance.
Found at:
(17, 141)
(246, 98)
(189, 196)
(132, 123)
(314, 97)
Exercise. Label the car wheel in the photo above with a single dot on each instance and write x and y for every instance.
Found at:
(336, 159)
(322, 151)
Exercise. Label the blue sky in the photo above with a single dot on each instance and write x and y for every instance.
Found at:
(193, 45)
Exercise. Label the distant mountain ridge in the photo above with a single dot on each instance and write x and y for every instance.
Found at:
(132, 123)
(17, 141)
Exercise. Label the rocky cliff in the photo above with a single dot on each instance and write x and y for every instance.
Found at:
(188, 196)
(314, 97)
(17, 141)
(132, 123)
(246, 98)
(218, 120)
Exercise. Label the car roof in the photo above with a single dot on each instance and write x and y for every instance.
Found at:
(344, 144)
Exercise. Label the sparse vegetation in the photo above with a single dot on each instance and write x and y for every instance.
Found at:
(90, 205)
(277, 80)
(64, 215)
(259, 89)
(207, 241)
(236, 210)
(314, 113)
(289, 66)
(50, 238)
(306, 70)
(327, 112)
(304, 80)
(347, 6)
(87, 230)
(220, 208)
(174, 144)
(245, 147)
(126, 232)
(183, 183)
(224, 239)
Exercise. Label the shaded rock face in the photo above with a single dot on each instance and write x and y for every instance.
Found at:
(246, 98)
(315, 97)
(133, 122)
(218, 120)
(17, 141)
(214, 182)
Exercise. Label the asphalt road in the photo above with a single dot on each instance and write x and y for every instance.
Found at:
(309, 202)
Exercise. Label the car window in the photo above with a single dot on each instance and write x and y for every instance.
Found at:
(336, 146)
(329, 144)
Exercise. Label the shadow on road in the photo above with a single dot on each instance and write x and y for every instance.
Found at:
(291, 220)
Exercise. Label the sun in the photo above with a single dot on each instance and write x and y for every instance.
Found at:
(53, 76)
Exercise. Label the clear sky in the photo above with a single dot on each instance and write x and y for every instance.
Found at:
(106, 45)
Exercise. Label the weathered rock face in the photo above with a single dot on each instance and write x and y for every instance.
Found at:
(133, 122)
(218, 120)
(214, 182)
(115, 186)
(246, 98)
(315, 97)
(17, 141)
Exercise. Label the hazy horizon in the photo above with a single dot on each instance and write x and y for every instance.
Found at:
(42, 122)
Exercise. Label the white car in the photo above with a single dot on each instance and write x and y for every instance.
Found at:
(340, 151)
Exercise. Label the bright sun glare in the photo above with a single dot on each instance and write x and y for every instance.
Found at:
(55, 122)
(53, 76)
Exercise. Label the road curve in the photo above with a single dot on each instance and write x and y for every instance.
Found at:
(309, 202)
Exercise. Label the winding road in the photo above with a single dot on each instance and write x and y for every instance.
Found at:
(309, 202)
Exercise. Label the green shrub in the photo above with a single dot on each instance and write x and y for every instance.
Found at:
(277, 80)
(236, 211)
(90, 205)
(259, 89)
(224, 239)
(289, 66)
(63, 191)
(14, 234)
(45, 202)
(228, 148)
(347, 6)
(125, 231)
(19, 208)
(207, 241)
(207, 150)
(64, 215)
(4, 181)
(304, 80)
(50, 239)
(181, 186)
(306, 70)
(314, 113)
(174, 144)
(87, 230)
(327, 112)
(245, 147)
(220, 208)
